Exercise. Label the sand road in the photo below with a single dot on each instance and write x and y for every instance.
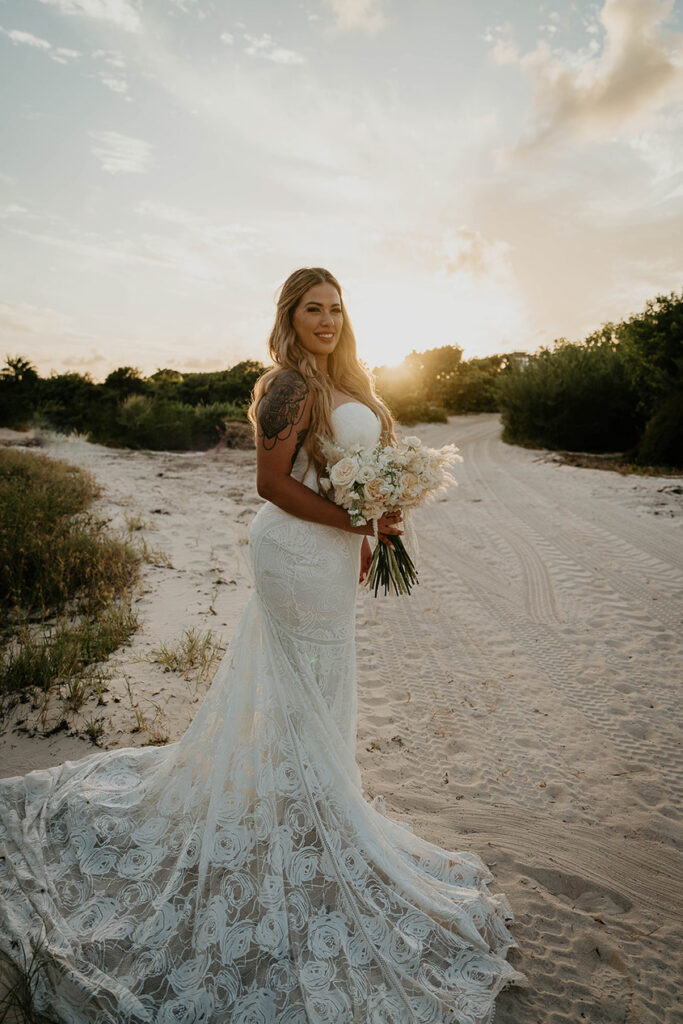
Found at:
(523, 703)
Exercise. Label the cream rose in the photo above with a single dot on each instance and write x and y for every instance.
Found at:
(365, 475)
(376, 490)
(343, 472)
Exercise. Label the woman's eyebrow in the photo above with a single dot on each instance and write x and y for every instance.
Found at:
(312, 303)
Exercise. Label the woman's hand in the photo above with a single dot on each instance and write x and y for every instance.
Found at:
(389, 523)
(365, 558)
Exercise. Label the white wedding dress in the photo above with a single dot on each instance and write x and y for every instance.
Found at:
(239, 875)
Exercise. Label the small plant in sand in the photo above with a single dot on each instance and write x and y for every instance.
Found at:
(157, 727)
(136, 522)
(151, 555)
(194, 652)
(94, 729)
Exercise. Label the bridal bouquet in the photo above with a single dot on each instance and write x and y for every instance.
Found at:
(371, 481)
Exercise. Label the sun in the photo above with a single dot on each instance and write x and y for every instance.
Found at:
(391, 319)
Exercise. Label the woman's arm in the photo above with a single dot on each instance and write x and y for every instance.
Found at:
(283, 418)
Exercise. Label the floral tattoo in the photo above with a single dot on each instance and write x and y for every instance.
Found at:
(281, 408)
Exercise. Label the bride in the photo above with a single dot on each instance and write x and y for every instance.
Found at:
(239, 874)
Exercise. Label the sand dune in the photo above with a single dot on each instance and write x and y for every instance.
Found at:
(524, 703)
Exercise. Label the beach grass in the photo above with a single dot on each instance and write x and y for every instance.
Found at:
(193, 652)
(17, 990)
(66, 584)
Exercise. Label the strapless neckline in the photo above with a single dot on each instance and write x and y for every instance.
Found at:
(352, 401)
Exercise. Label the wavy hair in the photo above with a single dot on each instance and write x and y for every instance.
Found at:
(345, 371)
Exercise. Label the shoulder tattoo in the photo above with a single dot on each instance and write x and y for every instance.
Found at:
(281, 408)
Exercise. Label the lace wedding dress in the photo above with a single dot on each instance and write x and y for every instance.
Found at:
(239, 875)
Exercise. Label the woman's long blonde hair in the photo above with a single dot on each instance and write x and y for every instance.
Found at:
(345, 371)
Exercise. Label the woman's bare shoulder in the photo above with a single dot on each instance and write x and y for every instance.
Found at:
(284, 403)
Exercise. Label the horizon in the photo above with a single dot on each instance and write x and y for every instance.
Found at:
(494, 178)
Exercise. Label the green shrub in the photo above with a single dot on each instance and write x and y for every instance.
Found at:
(163, 425)
(576, 396)
(409, 411)
(651, 347)
(52, 550)
(662, 441)
(65, 583)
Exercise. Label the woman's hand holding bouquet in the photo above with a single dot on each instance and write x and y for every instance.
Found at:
(387, 481)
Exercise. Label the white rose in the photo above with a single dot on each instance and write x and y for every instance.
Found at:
(185, 979)
(99, 862)
(413, 441)
(302, 866)
(93, 916)
(326, 933)
(235, 942)
(343, 472)
(264, 819)
(281, 976)
(299, 818)
(404, 950)
(137, 893)
(298, 907)
(365, 474)
(376, 490)
(165, 923)
(354, 864)
(195, 1009)
(231, 809)
(238, 889)
(232, 846)
(211, 922)
(331, 1007)
(271, 934)
(255, 1008)
(139, 862)
(317, 974)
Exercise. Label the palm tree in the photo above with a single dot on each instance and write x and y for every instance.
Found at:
(18, 370)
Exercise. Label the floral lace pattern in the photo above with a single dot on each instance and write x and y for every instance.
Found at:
(239, 874)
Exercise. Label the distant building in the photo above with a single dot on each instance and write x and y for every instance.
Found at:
(519, 359)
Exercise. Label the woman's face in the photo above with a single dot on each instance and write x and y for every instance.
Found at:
(318, 320)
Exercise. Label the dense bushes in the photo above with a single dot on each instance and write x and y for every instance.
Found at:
(577, 397)
(167, 411)
(619, 390)
(52, 548)
(428, 386)
(165, 425)
(65, 585)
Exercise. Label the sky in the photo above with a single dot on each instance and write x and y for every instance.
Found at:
(493, 175)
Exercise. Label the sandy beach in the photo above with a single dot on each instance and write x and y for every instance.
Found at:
(523, 703)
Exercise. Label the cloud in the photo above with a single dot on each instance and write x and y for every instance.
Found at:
(357, 14)
(208, 233)
(263, 46)
(227, 37)
(121, 13)
(19, 319)
(119, 153)
(27, 38)
(119, 85)
(61, 54)
(599, 90)
(198, 249)
(462, 250)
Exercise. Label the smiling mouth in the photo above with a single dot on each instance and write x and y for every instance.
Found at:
(325, 337)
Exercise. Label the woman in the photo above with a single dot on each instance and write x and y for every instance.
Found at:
(239, 875)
